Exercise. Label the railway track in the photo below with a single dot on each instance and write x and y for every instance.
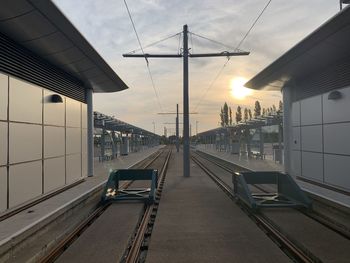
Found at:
(327, 222)
(340, 232)
(289, 246)
(137, 250)
(78, 231)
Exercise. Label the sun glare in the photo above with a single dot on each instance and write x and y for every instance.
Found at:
(238, 91)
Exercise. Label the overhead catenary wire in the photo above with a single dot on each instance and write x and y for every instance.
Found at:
(155, 43)
(237, 48)
(142, 50)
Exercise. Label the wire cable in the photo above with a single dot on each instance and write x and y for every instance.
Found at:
(154, 43)
(228, 59)
(147, 63)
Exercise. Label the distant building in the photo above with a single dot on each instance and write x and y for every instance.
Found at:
(48, 72)
(314, 77)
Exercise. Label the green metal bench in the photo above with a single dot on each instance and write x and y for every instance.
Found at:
(112, 192)
(287, 194)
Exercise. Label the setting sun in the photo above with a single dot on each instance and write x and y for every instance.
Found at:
(238, 91)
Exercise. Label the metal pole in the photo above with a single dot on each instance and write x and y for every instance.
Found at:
(90, 132)
(177, 128)
(287, 126)
(186, 121)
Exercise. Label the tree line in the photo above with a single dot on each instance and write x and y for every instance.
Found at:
(246, 114)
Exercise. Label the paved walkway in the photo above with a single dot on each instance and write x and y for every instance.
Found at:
(249, 163)
(24, 223)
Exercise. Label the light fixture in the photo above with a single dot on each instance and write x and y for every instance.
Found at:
(55, 98)
(335, 95)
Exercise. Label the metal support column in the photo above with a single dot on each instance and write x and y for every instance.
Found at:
(90, 132)
(103, 142)
(186, 121)
(261, 143)
(287, 135)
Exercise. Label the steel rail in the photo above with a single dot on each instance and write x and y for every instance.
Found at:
(288, 246)
(67, 241)
(134, 251)
(330, 224)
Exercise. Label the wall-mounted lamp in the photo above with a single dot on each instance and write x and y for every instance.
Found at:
(55, 98)
(335, 95)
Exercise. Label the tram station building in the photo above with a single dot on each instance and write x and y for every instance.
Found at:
(48, 73)
(314, 77)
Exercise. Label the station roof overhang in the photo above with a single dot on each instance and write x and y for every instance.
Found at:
(41, 27)
(325, 46)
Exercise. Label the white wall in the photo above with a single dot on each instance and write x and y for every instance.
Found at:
(47, 142)
(321, 139)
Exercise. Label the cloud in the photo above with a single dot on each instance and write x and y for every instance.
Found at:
(106, 25)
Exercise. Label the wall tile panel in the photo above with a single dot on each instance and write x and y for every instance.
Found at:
(337, 138)
(337, 110)
(312, 165)
(73, 163)
(311, 138)
(73, 113)
(54, 141)
(25, 101)
(3, 188)
(3, 96)
(311, 111)
(54, 113)
(54, 173)
(25, 142)
(25, 182)
(337, 170)
(3, 143)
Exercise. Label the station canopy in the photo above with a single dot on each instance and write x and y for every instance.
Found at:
(40, 26)
(111, 123)
(254, 123)
(325, 46)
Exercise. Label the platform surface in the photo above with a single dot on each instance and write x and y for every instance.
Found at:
(268, 165)
(13, 227)
(197, 222)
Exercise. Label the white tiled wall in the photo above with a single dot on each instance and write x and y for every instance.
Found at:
(84, 116)
(311, 138)
(54, 173)
(324, 140)
(312, 165)
(3, 143)
(47, 144)
(54, 140)
(25, 142)
(337, 110)
(296, 113)
(337, 138)
(3, 188)
(25, 102)
(73, 140)
(73, 113)
(296, 138)
(311, 111)
(54, 113)
(296, 163)
(25, 182)
(73, 167)
(3, 96)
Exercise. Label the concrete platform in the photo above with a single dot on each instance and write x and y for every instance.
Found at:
(268, 165)
(197, 222)
(24, 224)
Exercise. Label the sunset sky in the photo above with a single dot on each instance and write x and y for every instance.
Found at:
(106, 25)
